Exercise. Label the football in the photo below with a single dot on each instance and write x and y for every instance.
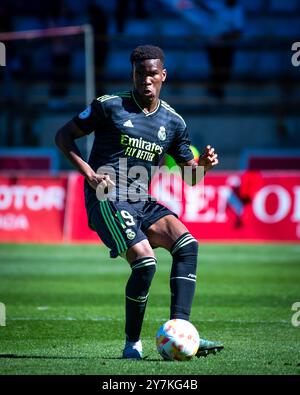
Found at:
(177, 340)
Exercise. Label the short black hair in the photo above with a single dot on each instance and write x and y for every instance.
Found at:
(143, 52)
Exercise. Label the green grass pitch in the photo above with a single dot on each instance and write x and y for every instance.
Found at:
(65, 311)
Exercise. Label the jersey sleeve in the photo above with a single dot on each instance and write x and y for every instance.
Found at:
(91, 118)
(180, 147)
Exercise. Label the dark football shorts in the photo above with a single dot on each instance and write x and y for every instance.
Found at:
(121, 225)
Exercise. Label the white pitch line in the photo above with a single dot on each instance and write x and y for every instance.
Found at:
(153, 320)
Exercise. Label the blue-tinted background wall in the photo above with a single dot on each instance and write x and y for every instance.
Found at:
(42, 86)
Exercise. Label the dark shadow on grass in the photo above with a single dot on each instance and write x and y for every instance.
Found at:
(15, 356)
(144, 359)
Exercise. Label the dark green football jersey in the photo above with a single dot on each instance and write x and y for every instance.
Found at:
(131, 141)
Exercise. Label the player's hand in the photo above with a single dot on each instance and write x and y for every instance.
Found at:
(100, 180)
(209, 158)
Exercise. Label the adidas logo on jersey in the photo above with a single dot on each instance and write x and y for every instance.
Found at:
(128, 124)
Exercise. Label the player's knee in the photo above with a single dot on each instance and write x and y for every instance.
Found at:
(144, 268)
(184, 252)
(185, 246)
(142, 274)
(139, 250)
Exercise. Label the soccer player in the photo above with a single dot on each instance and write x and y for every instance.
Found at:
(133, 130)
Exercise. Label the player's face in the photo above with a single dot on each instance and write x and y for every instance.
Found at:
(148, 76)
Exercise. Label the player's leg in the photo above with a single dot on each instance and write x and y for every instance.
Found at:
(170, 233)
(143, 265)
(117, 224)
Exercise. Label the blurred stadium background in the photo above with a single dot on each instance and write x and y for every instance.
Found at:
(231, 76)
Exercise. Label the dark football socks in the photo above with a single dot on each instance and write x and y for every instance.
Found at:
(137, 290)
(183, 276)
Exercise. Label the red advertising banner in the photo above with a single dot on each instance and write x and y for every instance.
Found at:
(252, 206)
(32, 208)
(76, 224)
(228, 206)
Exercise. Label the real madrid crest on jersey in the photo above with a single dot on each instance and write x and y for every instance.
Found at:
(130, 234)
(162, 135)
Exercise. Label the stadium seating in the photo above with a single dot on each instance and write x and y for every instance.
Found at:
(260, 86)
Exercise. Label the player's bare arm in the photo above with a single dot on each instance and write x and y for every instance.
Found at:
(208, 160)
(65, 140)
